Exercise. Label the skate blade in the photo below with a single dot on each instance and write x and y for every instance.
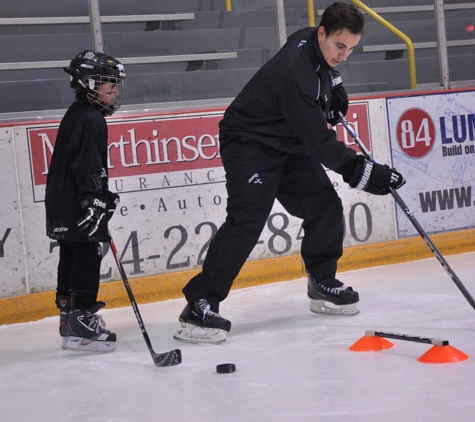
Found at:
(187, 334)
(79, 344)
(328, 308)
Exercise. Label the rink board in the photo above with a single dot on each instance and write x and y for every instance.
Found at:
(167, 170)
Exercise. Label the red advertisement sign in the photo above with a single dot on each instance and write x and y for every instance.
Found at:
(143, 146)
(168, 144)
(357, 117)
(415, 132)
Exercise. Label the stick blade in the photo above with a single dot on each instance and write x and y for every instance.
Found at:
(171, 358)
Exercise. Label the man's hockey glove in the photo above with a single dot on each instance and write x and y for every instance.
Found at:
(94, 211)
(373, 178)
(112, 201)
(339, 101)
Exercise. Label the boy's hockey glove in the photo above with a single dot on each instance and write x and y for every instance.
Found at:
(112, 201)
(94, 211)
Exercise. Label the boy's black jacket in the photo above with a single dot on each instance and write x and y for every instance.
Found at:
(78, 169)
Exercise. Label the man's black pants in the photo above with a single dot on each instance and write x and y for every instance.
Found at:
(255, 176)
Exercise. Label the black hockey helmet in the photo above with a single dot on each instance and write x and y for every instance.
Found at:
(91, 69)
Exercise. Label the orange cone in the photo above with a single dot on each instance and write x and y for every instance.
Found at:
(385, 344)
(443, 354)
(371, 344)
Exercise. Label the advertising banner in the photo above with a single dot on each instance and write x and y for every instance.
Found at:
(432, 140)
(12, 264)
(168, 173)
(368, 218)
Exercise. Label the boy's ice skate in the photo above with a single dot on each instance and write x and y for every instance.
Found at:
(332, 300)
(86, 331)
(64, 303)
(199, 324)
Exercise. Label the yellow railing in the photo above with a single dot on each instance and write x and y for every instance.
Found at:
(311, 13)
(410, 46)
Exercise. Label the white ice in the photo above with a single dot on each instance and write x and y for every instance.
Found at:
(292, 365)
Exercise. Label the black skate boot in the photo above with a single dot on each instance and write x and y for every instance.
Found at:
(212, 327)
(336, 299)
(86, 331)
(64, 304)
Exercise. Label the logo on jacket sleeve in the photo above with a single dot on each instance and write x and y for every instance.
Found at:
(337, 81)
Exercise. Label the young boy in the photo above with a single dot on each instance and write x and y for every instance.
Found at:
(274, 138)
(78, 201)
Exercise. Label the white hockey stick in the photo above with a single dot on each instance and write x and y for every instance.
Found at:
(160, 359)
(406, 337)
(411, 217)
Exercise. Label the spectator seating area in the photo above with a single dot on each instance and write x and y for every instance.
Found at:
(162, 45)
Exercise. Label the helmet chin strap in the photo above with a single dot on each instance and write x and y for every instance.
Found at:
(106, 108)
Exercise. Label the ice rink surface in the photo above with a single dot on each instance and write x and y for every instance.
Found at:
(292, 365)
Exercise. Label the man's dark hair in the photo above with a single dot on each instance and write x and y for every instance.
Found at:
(342, 15)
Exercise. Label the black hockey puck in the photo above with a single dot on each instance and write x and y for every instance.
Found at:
(226, 368)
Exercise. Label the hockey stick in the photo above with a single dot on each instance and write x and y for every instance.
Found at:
(411, 217)
(434, 341)
(160, 359)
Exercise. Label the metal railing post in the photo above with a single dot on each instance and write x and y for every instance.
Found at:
(96, 29)
(229, 6)
(281, 27)
(442, 43)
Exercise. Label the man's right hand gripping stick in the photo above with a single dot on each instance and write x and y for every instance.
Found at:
(373, 177)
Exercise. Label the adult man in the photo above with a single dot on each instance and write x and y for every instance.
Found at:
(274, 139)
(78, 201)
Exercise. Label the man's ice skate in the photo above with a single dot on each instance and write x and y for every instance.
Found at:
(334, 300)
(199, 324)
(64, 303)
(87, 332)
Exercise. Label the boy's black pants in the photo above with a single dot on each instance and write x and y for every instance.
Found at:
(79, 272)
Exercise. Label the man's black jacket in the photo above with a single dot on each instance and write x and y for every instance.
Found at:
(284, 105)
